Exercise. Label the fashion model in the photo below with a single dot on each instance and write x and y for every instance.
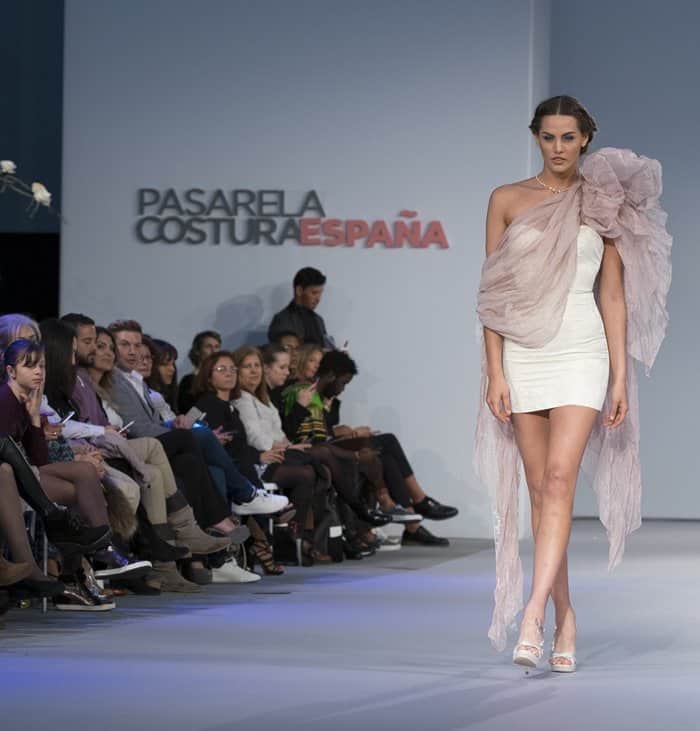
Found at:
(573, 291)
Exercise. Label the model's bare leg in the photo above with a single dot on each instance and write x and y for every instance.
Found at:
(570, 427)
(532, 437)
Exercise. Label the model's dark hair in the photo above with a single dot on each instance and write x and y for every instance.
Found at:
(57, 338)
(21, 352)
(338, 362)
(194, 355)
(76, 320)
(309, 277)
(570, 107)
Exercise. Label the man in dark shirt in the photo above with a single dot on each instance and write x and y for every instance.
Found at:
(299, 315)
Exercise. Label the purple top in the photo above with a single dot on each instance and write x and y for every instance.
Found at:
(86, 400)
(15, 422)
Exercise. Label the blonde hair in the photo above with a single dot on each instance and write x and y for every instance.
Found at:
(304, 355)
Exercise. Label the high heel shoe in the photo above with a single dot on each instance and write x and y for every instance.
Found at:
(561, 667)
(528, 653)
(261, 552)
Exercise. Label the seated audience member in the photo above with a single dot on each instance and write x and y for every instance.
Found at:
(159, 372)
(133, 400)
(68, 483)
(139, 466)
(299, 316)
(61, 530)
(204, 344)
(177, 513)
(342, 464)
(309, 359)
(291, 342)
(295, 472)
(304, 419)
(336, 371)
(213, 388)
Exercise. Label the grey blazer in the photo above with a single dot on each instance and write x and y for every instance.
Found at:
(131, 407)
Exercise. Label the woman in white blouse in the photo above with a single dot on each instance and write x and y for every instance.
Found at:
(295, 473)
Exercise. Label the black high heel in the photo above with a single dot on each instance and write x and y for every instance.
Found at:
(261, 552)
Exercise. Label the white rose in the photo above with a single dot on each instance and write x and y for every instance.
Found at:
(7, 166)
(41, 195)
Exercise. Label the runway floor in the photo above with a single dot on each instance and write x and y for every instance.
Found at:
(397, 641)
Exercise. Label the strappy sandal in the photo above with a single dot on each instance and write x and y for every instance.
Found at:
(528, 653)
(569, 666)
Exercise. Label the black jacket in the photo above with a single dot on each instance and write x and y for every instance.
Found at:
(309, 326)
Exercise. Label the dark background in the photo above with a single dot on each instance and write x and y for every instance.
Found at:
(31, 111)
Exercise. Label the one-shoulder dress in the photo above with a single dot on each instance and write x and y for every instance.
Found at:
(571, 369)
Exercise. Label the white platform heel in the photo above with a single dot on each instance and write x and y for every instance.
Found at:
(561, 667)
(528, 653)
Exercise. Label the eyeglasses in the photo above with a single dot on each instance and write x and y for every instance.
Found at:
(226, 369)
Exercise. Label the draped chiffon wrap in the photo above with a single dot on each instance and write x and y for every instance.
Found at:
(522, 295)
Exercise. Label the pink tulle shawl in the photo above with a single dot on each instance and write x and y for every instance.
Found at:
(522, 295)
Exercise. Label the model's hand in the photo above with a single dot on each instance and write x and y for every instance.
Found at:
(498, 398)
(618, 405)
(362, 431)
(342, 432)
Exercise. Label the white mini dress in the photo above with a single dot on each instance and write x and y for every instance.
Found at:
(573, 368)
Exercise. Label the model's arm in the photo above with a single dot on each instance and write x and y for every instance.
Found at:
(498, 394)
(611, 298)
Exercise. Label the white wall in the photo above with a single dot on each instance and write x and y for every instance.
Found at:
(634, 65)
(378, 106)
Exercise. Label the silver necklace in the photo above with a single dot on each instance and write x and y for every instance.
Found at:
(549, 187)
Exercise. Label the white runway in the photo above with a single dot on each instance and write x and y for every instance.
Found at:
(394, 642)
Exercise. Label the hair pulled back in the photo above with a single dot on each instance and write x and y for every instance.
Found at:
(570, 107)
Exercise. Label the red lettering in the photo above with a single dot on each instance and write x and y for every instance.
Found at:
(434, 234)
(309, 231)
(380, 234)
(333, 229)
(407, 233)
(354, 230)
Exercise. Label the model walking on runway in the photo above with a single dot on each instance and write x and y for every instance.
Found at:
(572, 290)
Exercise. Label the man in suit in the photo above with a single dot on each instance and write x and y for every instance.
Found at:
(189, 450)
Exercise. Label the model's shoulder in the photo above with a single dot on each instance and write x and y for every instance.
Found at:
(510, 191)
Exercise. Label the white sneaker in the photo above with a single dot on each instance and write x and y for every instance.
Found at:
(232, 573)
(270, 486)
(262, 504)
